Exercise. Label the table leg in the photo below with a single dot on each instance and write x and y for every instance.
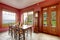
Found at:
(23, 35)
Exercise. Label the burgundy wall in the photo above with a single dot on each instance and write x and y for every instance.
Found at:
(35, 7)
(3, 6)
(38, 7)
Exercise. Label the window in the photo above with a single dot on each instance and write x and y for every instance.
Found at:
(53, 20)
(25, 18)
(28, 18)
(8, 18)
(45, 18)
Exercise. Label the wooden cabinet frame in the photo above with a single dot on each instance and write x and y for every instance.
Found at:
(49, 29)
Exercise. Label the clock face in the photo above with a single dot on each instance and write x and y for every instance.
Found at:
(36, 14)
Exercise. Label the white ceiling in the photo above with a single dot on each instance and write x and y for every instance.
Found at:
(20, 3)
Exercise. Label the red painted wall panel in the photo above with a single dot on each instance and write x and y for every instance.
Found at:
(48, 3)
(35, 7)
(3, 6)
(0, 17)
(38, 6)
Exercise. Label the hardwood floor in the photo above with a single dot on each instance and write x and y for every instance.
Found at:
(35, 36)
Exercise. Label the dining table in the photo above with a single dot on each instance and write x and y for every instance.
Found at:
(26, 28)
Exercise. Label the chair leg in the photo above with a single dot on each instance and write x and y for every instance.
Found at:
(11, 33)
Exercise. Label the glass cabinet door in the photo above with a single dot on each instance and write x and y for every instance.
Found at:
(49, 15)
(45, 17)
(53, 18)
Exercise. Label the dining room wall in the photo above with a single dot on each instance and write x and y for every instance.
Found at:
(3, 6)
(38, 7)
(35, 7)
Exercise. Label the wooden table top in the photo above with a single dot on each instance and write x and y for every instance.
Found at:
(26, 26)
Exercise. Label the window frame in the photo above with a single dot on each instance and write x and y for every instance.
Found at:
(27, 17)
(3, 18)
